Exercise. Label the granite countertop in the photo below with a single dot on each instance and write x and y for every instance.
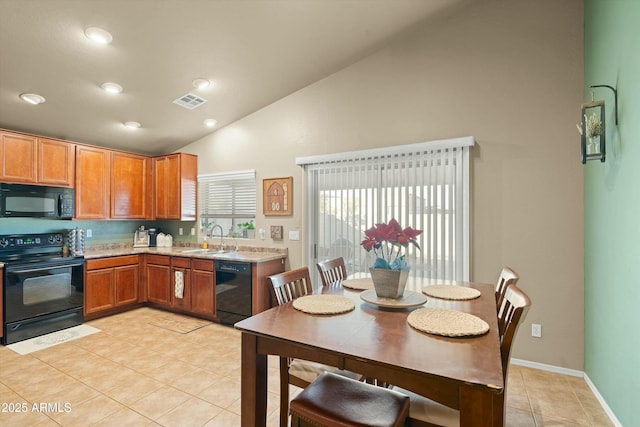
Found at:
(244, 253)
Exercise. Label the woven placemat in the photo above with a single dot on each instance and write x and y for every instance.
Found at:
(323, 304)
(448, 323)
(451, 292)
(360, 284)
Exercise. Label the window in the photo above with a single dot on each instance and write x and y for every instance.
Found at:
(425, 186)
(226, 199)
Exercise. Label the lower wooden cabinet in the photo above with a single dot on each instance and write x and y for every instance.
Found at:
(181, 270)
(111, 283)
(116, 282)
(203, 288)
(198, 292)
(158, 279)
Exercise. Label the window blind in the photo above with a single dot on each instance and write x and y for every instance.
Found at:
(425, 186)
(227, 195)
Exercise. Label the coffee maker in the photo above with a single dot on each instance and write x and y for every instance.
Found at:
(153, 237)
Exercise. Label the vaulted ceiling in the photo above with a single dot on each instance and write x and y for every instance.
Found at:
(253, 51)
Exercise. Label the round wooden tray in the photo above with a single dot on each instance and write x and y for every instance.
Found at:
(409, 299)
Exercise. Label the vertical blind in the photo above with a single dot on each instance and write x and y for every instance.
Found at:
(227, 195)
(425, 186)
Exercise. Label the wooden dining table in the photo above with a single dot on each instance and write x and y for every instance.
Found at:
(464, 373)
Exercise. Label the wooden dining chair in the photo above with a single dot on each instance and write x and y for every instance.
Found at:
(512, 312)
(332, 271)
(507, 277)
(286, 287)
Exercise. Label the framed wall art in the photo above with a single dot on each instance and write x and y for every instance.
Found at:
(277, 196)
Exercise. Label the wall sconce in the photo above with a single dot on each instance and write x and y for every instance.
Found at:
(592, 128)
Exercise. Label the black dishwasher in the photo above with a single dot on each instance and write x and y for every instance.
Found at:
(233, 291)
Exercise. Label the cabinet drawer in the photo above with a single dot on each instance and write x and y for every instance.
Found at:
(158, 259)
(96, 264)
(181, 262)
(202, 264)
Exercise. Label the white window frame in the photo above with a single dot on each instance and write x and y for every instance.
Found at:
(240, 186)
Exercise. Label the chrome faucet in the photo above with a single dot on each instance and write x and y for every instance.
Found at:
(222, 245)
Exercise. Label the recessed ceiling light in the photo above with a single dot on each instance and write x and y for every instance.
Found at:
(32, 98)
(200, 83)
(210, 122)
(98, 35)
(111, 87)
(132, 125)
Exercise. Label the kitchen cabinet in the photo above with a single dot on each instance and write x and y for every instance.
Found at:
(56, 162)
(18, 156)
(260, 285)
(175, 186)
(92, 182)
(130, 186)
(203, 288)
(181, 267)
(28, 159)
(158, 279)
(111, 283)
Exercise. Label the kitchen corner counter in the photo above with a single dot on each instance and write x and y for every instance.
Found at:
(245, 253)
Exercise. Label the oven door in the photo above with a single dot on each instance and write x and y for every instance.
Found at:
(38, 289)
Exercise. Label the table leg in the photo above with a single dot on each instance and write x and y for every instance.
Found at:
(481, 408)
(253, 405)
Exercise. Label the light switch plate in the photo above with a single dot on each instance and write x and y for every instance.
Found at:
(294, 235)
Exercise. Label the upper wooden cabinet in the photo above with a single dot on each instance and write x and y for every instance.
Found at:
(92, 182)
(19, 155)
(32, 160)
(56, 162)
(131, 186)
(176, 186)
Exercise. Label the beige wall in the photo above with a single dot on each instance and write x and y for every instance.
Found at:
(508, 73)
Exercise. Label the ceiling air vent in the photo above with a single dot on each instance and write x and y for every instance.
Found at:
(190, 101)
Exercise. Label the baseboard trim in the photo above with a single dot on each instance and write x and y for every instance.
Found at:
(573, 373)
(550, 368)
(603, 403)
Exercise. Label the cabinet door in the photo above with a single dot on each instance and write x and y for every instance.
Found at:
(56, 162)
(92, 182)
(167, 187)
(130, 187)
(158, 283)
(183, 303)
(126, 284)
(18, 158)
(99, 290)
(203, 295)
(175, 183)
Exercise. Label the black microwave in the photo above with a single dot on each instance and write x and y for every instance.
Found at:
(35, 201)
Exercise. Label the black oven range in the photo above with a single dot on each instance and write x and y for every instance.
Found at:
(43, 289)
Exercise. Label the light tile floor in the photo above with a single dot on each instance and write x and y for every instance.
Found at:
(136, 374)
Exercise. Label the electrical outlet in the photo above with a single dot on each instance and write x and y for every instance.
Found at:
(180, 231)
(536, 330)
(193, 231)
(89, 232)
